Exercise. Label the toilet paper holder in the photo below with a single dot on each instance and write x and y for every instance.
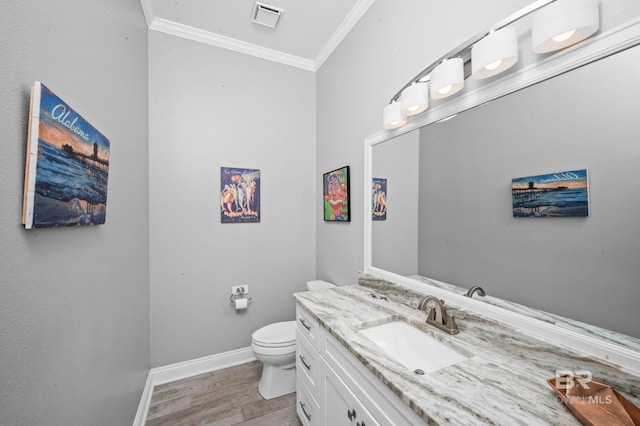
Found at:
(239, 294)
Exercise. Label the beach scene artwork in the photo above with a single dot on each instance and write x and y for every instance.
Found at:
(379, 199)
(239, 195)
(563, 194)
(67, 166)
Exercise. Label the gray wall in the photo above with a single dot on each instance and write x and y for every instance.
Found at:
(581, 268)
(394, 241)
(209, 108)
(74, 303)
(389, 45)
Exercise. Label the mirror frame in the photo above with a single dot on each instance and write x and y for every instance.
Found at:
(600, 46)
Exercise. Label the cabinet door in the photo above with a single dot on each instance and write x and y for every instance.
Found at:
(341, 405)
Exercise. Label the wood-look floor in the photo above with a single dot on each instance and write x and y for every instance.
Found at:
(221, 398)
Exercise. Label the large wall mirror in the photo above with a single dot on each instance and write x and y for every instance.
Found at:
(449, 200)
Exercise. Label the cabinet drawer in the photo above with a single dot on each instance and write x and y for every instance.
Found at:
(381, 402)
(306, 406)
(308, 363)
(342, 407)
(308, 325)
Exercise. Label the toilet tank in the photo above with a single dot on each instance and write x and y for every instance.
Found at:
(319, 285)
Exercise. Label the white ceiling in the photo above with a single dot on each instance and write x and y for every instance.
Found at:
(308, 31)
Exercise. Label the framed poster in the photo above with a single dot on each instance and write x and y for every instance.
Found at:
(336, 195)
(239, 195)
(379, 199)
(561, 194)
(67, 166)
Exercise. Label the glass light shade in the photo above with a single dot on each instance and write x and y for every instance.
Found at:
(564, 23)
(447, 78)
(415, 99)
(495, 53)
(392, 116)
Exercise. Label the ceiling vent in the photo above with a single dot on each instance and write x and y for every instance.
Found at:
(266, 15)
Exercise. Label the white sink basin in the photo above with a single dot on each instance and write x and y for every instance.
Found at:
(411, 347)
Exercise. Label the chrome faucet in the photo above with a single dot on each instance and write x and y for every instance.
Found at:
(437, 316)
(475, 289)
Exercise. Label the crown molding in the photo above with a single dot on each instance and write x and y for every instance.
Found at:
(350, 21)
(196, 34)
(147, 10)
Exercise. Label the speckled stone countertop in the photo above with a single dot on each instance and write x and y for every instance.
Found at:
(599, 333)
(503, 382)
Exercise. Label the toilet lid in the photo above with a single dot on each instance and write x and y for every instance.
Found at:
(276, 335)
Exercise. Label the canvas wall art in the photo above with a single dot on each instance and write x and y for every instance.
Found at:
(67, 166)
(239, 195)
(336, 195)
(379, 199)
(553, 195)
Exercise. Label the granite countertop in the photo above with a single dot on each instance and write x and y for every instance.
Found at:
(602, 334)
(503, 381)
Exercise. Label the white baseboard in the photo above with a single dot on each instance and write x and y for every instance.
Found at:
(182, 370)
(143, 406)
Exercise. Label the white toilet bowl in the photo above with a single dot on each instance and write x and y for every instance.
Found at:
(275, 346)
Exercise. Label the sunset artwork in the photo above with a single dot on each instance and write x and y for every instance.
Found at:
(67, 166)
(553, 195)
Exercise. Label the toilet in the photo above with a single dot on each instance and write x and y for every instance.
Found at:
(274, 345)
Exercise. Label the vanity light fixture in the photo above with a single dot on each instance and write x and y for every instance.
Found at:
(392, 116)
(563, 24)
(415, 99)
(447, 79)
(495, 53)
(556, 24)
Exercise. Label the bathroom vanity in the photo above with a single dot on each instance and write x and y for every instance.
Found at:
(453, 218)
(334, 387)
(344, 378)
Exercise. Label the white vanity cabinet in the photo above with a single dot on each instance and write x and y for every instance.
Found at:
(334, 388)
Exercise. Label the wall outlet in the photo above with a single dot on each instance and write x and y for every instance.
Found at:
(240, 289)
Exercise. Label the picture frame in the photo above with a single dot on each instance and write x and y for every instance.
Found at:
(336, 195)
(239, 195)
(562, 194)
(379, 199)
(67, 165)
